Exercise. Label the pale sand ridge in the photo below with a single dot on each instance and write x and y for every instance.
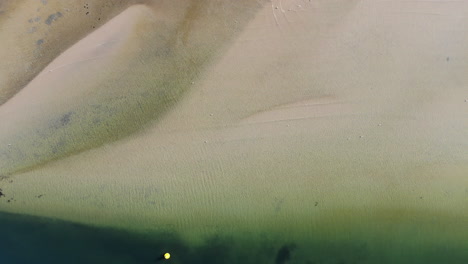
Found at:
(103, 89)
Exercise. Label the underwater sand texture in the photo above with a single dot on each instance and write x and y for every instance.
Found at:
(309, 121)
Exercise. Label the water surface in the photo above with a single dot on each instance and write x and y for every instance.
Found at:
(26, 239)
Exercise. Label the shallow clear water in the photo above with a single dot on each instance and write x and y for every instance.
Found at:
(26, 239)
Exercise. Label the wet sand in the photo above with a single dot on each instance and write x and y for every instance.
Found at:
(344, 121)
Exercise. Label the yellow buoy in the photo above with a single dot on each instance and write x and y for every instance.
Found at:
(167, 255)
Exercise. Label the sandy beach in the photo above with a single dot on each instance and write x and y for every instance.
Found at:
(296, 119)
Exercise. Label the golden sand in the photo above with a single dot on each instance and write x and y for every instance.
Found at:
(285, 116)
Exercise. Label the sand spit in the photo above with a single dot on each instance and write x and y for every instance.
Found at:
(62, 87)
(114, 81)
(33, 33)
(321, 119)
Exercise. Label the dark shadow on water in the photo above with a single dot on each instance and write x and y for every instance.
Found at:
(27, 239)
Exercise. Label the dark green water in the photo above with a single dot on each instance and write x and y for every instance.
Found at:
(26, 239)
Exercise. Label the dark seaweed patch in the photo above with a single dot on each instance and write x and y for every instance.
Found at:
(66, 118)
(284, 254)
(52, 18)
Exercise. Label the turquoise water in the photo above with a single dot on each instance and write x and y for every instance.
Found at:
(26, 239)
